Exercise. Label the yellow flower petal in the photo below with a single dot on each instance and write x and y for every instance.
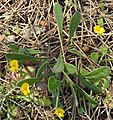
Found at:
(25, 88)
(13, 69)
(25, 92)
(102, 30)
(99, 30)
(61, 115)
(96, 28)
(59, 112)
(14, 65)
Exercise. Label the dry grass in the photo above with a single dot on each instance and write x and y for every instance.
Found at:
(28, 14)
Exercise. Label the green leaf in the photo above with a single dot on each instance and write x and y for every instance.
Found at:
(21, 57)
(13, 47)
(77, 87)
(106, 83)
(106, 10)
(70, 68)
(29, 81)
(59, 66)
(98, 73)
(101, 5)
(81, 110)
(1, 74)
(1, 89)
(74, 24)
(33, 52)
(23, 51)
(83, 71)
(53, 84)
(77, 52)
(85, 95)
(100, 21)
(44, 101)
(16, 29)
(40, 70)
(59, 16)
(47, 101)
(91, 86)
(103, 50)
(7, 32)
(94, 56)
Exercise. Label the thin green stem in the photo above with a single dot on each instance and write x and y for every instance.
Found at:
(61, 44)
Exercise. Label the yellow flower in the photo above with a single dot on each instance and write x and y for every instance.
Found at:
(99, 30)
(59, 112)
(25, 88)
(14, 65)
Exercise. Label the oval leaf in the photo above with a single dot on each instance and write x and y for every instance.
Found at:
(94, 56)
(29, 81)
(74, 24)
(23, 51)
(98, 73)
(53, 84)
(21, 57)
(59, 66)
(70, 68)
(13, 47)
(44, 101)
(59, 16)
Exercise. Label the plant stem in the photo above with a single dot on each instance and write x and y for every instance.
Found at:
(61, 44)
